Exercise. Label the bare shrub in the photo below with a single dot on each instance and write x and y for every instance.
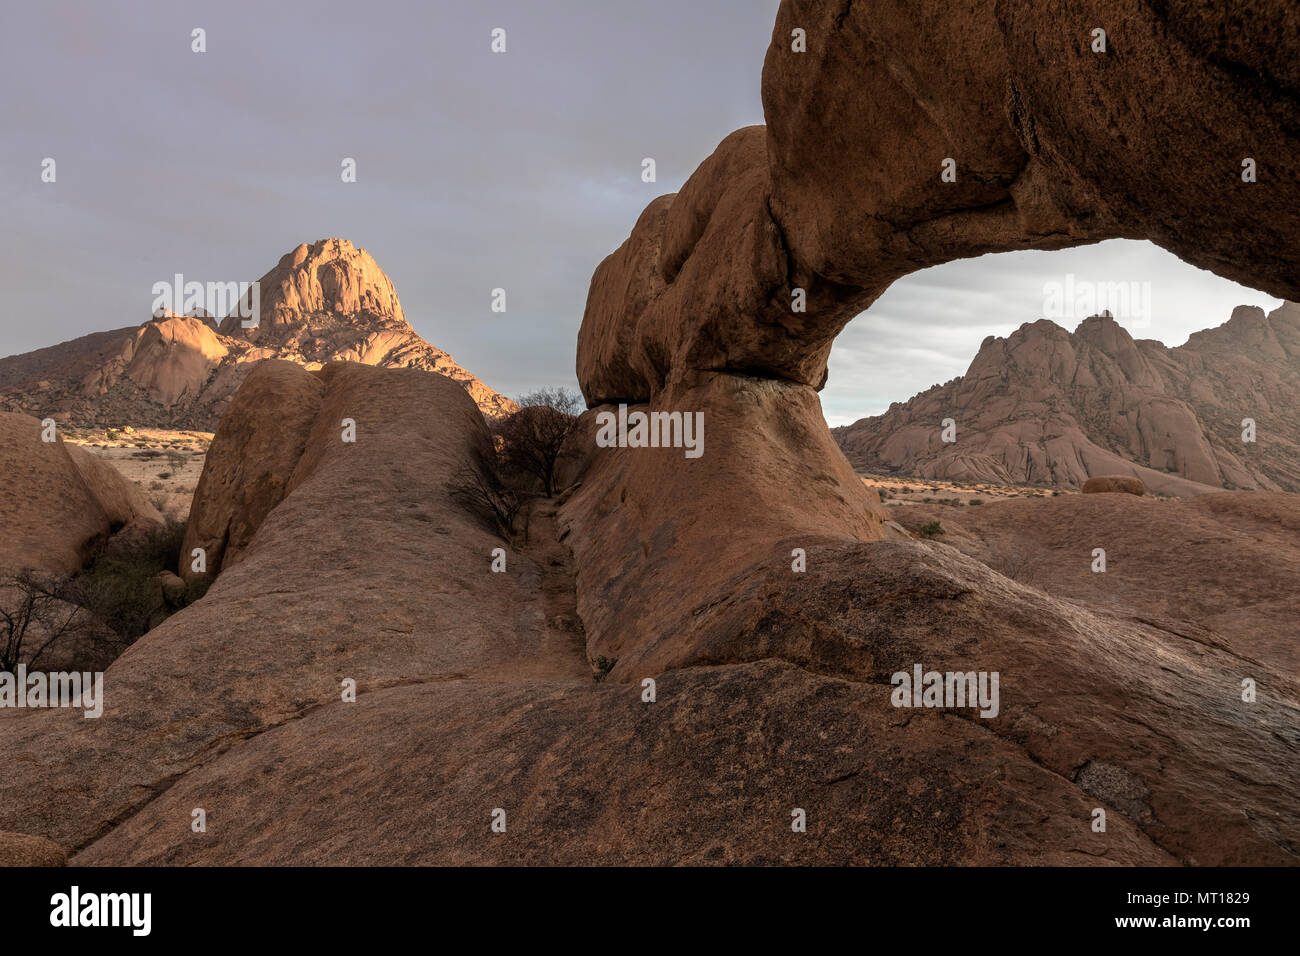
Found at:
(478, 489)
(35, 614)
(1014, 561)
(528, 442)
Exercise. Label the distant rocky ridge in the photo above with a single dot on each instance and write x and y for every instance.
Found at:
(1049, 406)
(322, 303)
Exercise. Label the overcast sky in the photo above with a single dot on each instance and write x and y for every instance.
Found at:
(474, 171)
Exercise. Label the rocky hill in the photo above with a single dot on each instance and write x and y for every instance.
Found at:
(1053, 407)
(322, 303)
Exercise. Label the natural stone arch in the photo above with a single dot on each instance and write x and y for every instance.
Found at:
(1055, 145)
(840, 194)
(685, 564)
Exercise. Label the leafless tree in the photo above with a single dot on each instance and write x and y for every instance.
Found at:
(35, 613)
(529, 441)
(480, 491)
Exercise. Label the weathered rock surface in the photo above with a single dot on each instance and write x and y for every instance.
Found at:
(469, 701)
(1052, 144)
(649, 547)
(1048, 406)
(1083, 685)
(322, 303)
(366, 569)
(60, 503)
(1219, 567)
(19, 849)
(170, 358)
(251, 462)
(589, 775)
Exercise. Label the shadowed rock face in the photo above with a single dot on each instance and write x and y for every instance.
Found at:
(590, 776)
(774, 694)
(322, 303)
(1223, 566)
(1045, 405)
(251, 463)
(651, 522)
(17, 849)
(354, 562)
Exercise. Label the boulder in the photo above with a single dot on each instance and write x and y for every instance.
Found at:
(250, 463)
(173, 358)
(173, 588)
(355, 562)
(62, 503)
(1123, 484)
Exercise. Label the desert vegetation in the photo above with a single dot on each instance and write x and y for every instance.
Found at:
(88, 618)
(526, 448)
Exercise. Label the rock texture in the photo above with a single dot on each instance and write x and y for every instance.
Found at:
(60, 503)
(322, 303)
(649, 548)
(250, 465)
(1223, 566)
(170, 358)
(470, 701)
(366, 569)
(1053, 407)
(19, 849)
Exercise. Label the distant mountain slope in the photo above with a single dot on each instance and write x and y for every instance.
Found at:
(321, 303)
(1049, 406)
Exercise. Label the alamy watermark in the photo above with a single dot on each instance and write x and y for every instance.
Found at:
(651, 430)
(1075, 300)
(18, 688)
(74, 908)
(218, 299)
(946, 689)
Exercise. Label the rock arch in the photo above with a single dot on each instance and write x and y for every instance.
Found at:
(687, 563)
(1055, 145)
